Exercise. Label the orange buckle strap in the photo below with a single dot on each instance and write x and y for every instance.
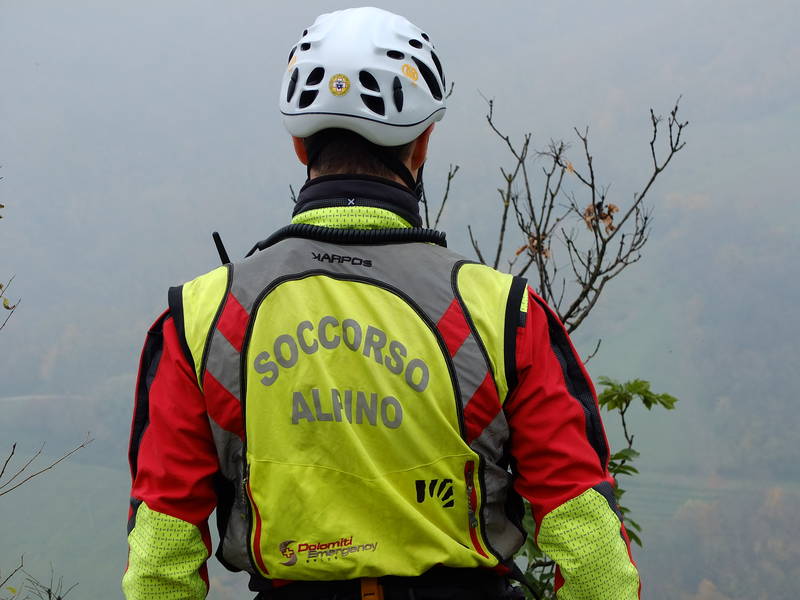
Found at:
(371, 589)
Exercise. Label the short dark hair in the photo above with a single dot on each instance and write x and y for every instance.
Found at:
(333, 151)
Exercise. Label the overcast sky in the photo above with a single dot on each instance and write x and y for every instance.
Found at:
(130, 130)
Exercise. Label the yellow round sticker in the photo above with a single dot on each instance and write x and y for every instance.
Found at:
(339, 84)
(410, 72)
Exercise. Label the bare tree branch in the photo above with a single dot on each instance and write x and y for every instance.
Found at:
(8, 459)
(615, 237)
(14, 572)
(3, 491)
(451, 173)
(7, 305)
(594, 352)
(53, 590)
(475, 245)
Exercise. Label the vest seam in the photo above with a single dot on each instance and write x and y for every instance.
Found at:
(518, 288)
(212, 330)
(484, 352)
(175, 303)
(468, 317)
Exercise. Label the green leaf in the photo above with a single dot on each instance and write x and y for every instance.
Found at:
(638, 387)
(625, 454)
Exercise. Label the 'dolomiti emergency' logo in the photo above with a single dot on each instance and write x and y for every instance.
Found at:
(288, 552)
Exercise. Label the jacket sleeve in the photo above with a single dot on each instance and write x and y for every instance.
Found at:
(561, 455)
(173, 462)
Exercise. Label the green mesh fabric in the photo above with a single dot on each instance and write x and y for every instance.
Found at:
(352, 217)
(164, 560)
(583, 537)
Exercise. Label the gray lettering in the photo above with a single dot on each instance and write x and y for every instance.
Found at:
(398, 412)
(370, 409)
(262, 364)
(398, 352)
(300, 409)
(348, 405)
(301, 340)
(356, 329)
(417, 364)
(321, 416)
(327, 342)
(288, 341)
(374, 341)
(336, 403)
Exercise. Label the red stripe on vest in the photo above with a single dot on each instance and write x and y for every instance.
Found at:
(256, 547)
(233, 322)
(454, 327)
(481, 409)
(222, 406)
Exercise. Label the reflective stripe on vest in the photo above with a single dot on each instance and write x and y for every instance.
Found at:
(472, 308)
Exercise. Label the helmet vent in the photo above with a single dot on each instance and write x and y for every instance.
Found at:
(429, 78)
(305, 33)
(425, 37)
(292, 85)
(438, 67)
(315, 76)
(368, 81)
(291, 53)
(307, 97)
(416, 44)
(305, 46)
(398, 94)
(395, 55)
(375, 104)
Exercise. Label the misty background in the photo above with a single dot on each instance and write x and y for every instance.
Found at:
(131, 130)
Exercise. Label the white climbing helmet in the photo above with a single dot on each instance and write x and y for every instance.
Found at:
(366, 70)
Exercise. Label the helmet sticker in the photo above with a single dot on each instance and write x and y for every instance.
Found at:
(410, 72)
(339, 84)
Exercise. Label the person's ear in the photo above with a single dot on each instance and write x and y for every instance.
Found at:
(420, 151)
(300, 150)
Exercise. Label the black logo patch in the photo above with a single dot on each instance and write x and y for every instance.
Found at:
(341, 259)
(440, 489)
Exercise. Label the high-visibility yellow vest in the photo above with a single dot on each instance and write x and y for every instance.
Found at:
(371, 379)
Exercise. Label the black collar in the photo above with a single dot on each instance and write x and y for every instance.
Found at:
(358, 190)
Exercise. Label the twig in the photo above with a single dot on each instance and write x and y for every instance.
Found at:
(24, 467)
(475, 245)
(451, 173)
(3, 292)
(83, 444)
(14, 572)
(594, 352)
(8, 459)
